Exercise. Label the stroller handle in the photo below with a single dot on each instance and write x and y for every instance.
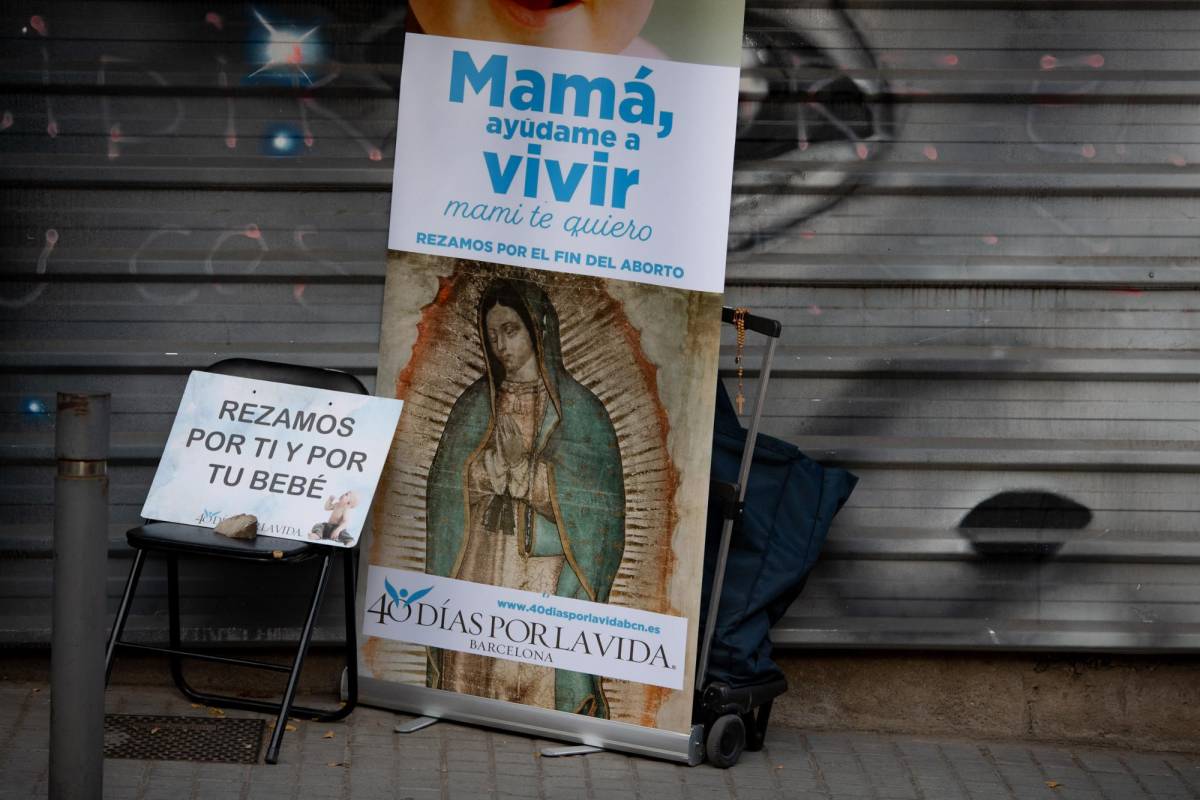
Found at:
(763, 325)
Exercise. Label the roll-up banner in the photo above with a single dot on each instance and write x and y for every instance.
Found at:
(556, 257)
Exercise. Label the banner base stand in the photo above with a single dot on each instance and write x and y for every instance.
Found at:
(414, 725)
(604, 734)
(570, 750)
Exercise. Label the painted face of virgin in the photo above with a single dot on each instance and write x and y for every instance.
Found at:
(510, 343)
(600, 26)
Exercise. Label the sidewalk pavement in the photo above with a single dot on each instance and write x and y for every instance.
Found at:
(364, 758)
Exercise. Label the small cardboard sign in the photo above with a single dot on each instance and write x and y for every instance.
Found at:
(304, 461)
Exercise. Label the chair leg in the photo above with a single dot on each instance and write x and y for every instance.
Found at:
(175, 659)
(289, 693)
(173, 623)
(114, 638)
(349, 582)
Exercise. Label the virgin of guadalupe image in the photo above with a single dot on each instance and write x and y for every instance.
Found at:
(525, 491)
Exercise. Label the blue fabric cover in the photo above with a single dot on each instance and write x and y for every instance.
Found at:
(790, 503)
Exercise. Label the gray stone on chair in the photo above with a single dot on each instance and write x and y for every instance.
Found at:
(239, 526)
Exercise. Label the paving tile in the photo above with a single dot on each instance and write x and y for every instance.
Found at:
(611, 794)
(866, 744)
(1010, 754)
(119, 781)
(1093, 761)
(830, 743)
(470, 781)
(964, 751)
(417, 794)
(1052, 756)
(1119, 787)
(1142, 764)
(1069, 776)
(217, 790)
(19, 790)
(928, 783)
(713, 777)
(265, 792)
(519, 789)
(527, 794)
(750, 793)
(1164, 785)
(1068, 792)
(655, 790)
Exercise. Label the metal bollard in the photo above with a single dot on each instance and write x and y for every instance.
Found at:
(80, 570)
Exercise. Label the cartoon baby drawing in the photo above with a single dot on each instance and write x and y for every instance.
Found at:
(335, 527)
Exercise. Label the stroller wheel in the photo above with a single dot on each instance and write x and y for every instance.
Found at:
(725, 741)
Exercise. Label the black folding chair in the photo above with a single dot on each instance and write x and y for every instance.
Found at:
(174, 540)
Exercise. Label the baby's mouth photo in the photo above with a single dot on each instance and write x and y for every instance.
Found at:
(536, 13)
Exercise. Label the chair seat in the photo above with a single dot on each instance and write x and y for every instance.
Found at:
(174, 537)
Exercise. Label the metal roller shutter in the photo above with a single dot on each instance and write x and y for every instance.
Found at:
(976, 220)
